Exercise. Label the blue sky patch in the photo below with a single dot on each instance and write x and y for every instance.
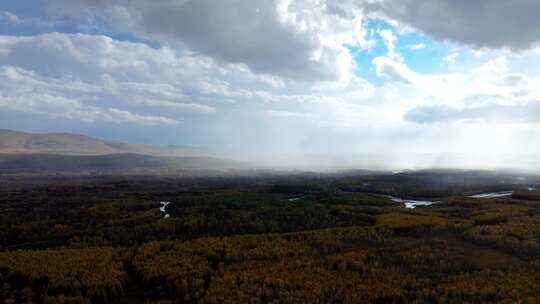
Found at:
(424, 60)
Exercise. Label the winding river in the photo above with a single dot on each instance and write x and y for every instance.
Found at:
(162, 209)
(493, 194)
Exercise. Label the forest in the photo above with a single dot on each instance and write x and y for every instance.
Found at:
(270, 238)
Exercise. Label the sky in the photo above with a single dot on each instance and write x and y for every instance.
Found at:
(371, 83)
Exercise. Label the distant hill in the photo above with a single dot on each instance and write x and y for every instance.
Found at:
(14, 142)
(72, 153)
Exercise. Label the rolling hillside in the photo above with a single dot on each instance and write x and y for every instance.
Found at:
(71, 153)
(14, 142)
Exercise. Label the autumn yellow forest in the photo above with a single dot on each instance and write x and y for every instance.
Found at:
(297, 239)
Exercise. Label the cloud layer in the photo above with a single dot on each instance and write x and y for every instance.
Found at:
(491, 24)
(279, 77)
(294, 39)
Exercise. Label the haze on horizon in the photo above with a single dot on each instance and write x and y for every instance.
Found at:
(288, 83)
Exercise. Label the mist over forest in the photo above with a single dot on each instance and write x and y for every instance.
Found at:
(269, 151)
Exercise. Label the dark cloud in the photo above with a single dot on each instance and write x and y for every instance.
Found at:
(253, 32)
(493, 24)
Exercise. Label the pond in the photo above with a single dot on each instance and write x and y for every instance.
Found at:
(294, 199)
(410, 203)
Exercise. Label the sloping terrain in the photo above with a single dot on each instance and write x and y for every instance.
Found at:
(72, 153)
(14, 142)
